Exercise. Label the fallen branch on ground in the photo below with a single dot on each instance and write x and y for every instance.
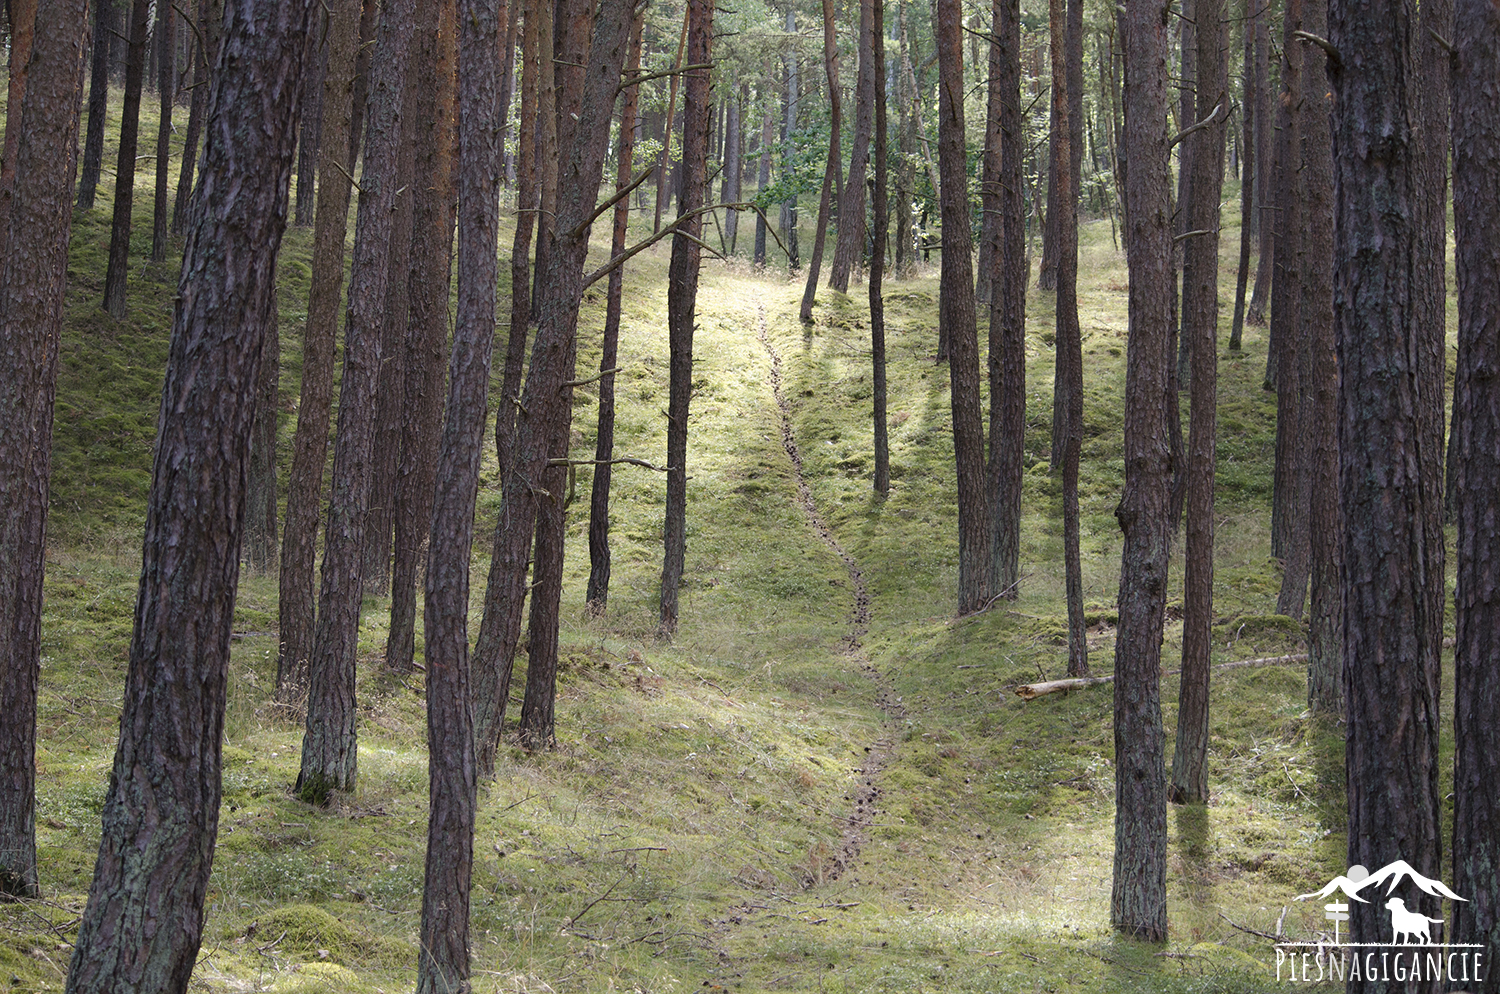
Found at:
(1031, 691)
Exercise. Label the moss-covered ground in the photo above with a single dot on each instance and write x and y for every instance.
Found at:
(686, 831)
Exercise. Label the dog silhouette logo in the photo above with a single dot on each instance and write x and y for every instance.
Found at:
(1409, 926)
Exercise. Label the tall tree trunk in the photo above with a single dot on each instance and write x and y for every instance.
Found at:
(330, 757)
(832, 172)
(1068, 379)
(426, 345)
(976, 573)
(733, 161)
(1138, 900)
(130, 126)
(311, 138)
(443, 963)
(98, 108)
(359, 107)
(1320, 399)
(144, 920)
(682, 301)
(906, 172)
(1247, 155)
(544, 409)
(208, 11)
(665, 155)
(1007, 330)
(33, 276)
(851, 237)
(507, 89)
(260, 487)
(1200, 330)
(1476, 422)
(881, 194)
(1392, 640)
(763, 171)
(789, 125)
(310, 444)
(23, 23)
(390, 411)
(597, 595)
(166, 91)
(1265, 217)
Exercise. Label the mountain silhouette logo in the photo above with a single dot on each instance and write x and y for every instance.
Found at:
(1358, 879)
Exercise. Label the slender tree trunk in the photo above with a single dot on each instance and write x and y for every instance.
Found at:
(207, 16)
(976, 573)
(1247, 173)
(1265, 217)
(166, 91)
(1200, 329)
(665, 155)
(365, 54)
(789, 125)
(130, 125)
(851, 237)
(426, 343)
(832, 172)
(1007, 330)
(1476, 420)
(545, 406)
(1392, 640)
(906, 172)
(599, 558)
(33, 276)
(329, 746)
(763, 172)
(310, 444)
(1324, 652)
(260, 487)
(733, 161)
(144, 920)
(507, 87)
(311, 138)
(877, 255)
(1138, 902)
(682, 299)
(443, 963)
(93, 143)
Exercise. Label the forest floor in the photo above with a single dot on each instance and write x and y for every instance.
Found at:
(824, 783)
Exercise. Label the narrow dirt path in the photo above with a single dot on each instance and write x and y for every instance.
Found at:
(854, 827)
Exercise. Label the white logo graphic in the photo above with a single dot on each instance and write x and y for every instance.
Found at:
(1410, 955)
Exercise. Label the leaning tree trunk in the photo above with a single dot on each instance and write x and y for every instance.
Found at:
(310, 444)
(130, 127)
(1392, 641)
(832, 171)
(443, 962)
(682, 301)
(311, 138)
(33, 276)
(330, 755)
(1476, 419)
(93, 143)
(144, 920)
(976, 571)
(1138, 900)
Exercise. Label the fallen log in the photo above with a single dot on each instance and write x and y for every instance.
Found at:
(1031, 691)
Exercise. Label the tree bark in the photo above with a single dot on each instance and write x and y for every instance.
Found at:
(1391, 638)
(1138, 901)
(763, 172)
(260, 486)
(443, 963)
(310, 444)
(166, 91)
(1247, 155)
(881, 194)
(1007, 330)
(309, 142)
(426, 343)
(733, 161)
(1200, 327)
(789, 125)
(851, 235)
(330, 757)
(1476, 408)
(23, 14)
(528, 203)
(682, 301)
(665, 155)
(143, 923)
(1265, 219)
(976, 573)
(208, 11)
(98, 107)
(832, 172)
(130, 125)
(545, 408)
(597, 595)
(33, 276)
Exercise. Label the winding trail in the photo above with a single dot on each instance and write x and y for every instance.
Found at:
(854, 827)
